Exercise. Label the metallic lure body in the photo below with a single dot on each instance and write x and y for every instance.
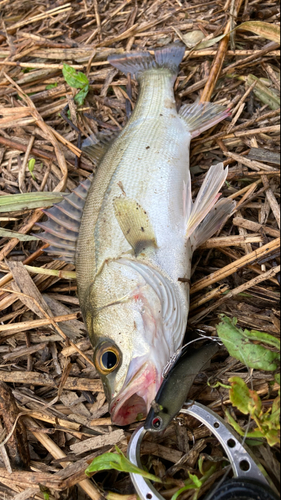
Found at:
(176, 386)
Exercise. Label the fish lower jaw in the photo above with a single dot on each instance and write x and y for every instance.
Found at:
(134, 402)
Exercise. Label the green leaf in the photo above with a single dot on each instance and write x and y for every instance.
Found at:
(4, 233)
(15, 202)
(196, 481)
(81, 96)
(254, 442)
(275, 410)
(263, 337)
(239, 394)
(118, 461)
(240, 345)
(181, 490)
(74, 79)
(51, 86)
(237, 428)
(31, 165)
(234, 424)
(265, 30)
(272, 437)
(200, 464)
(249, 402)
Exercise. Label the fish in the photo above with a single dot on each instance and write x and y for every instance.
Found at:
(131, 230)
(176, 386)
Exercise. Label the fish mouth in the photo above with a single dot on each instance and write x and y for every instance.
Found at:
(133, 402)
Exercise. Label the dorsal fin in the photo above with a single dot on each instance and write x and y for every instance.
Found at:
(62, 228)
(96, 146)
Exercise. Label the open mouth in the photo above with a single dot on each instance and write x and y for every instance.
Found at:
(132, 410)
(133, 402)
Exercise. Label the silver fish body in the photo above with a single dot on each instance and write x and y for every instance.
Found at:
(138, 230)
(137, 300)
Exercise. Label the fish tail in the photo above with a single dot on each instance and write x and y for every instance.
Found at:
(137, 62)
(200, 116)
(206, 214)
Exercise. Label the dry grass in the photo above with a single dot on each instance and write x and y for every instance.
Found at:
(47, 375)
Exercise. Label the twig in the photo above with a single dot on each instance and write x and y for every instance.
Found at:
(255, 281)
(234, 266)
(57, 453)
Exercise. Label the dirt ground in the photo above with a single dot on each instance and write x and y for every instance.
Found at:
(52, 404)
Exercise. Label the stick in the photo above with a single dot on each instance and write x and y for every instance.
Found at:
(218, 62)
(258, 279)
(254, 226)
(234, 266)
(35, 323)
(56, 452)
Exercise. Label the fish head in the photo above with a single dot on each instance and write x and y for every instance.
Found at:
(129, 360)
(130, 348)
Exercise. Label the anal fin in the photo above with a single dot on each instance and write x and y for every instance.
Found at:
(135, 224)
(201, 116)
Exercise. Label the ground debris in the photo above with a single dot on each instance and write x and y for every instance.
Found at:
(46, 370)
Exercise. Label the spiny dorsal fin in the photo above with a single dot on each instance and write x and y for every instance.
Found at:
(134, 223)
(62, 227)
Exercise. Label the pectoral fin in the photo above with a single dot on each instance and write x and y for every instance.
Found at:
(134, 223)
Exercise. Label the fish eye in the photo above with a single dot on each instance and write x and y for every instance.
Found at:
(107, 357)
(109, 360)
(157, 423)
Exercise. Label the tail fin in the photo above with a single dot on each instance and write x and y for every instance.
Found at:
(138, 62)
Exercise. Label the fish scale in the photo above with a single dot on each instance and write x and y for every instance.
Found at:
(117, 165)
